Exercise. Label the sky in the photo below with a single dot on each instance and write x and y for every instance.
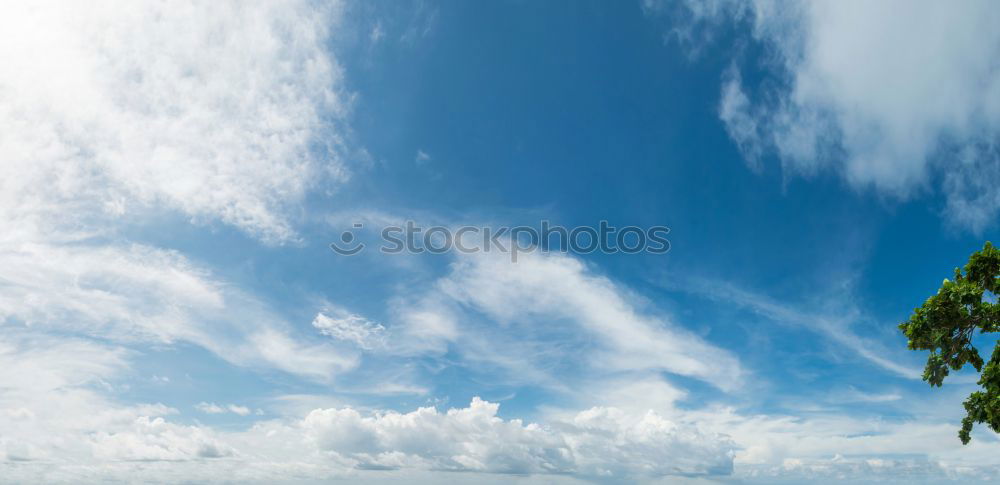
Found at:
(172, 176)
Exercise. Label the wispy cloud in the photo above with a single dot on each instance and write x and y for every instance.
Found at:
(547, 298)
(343, 325)
(836, 327)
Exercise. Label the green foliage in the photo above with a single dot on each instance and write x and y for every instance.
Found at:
(945, 325)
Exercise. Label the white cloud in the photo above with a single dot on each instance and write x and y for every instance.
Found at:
(240, 410)
(53, 400)
(154, 439)
(741, 124)
(854, 395)
(141, 294)
(796, 449)
(841, 469)
(343, 325)
(214, 109)
(212, 408)
(549, 311)
(921, 447)
(897, 96)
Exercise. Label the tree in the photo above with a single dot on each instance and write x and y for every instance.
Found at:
(946, 323)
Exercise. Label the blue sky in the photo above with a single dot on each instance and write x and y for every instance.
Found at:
(175, 173)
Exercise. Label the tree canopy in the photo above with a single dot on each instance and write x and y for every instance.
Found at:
(946, 323)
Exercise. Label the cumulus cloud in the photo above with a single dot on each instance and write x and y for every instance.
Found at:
(901, 97)
(833, 445)
(599, 442)
(154, 439)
